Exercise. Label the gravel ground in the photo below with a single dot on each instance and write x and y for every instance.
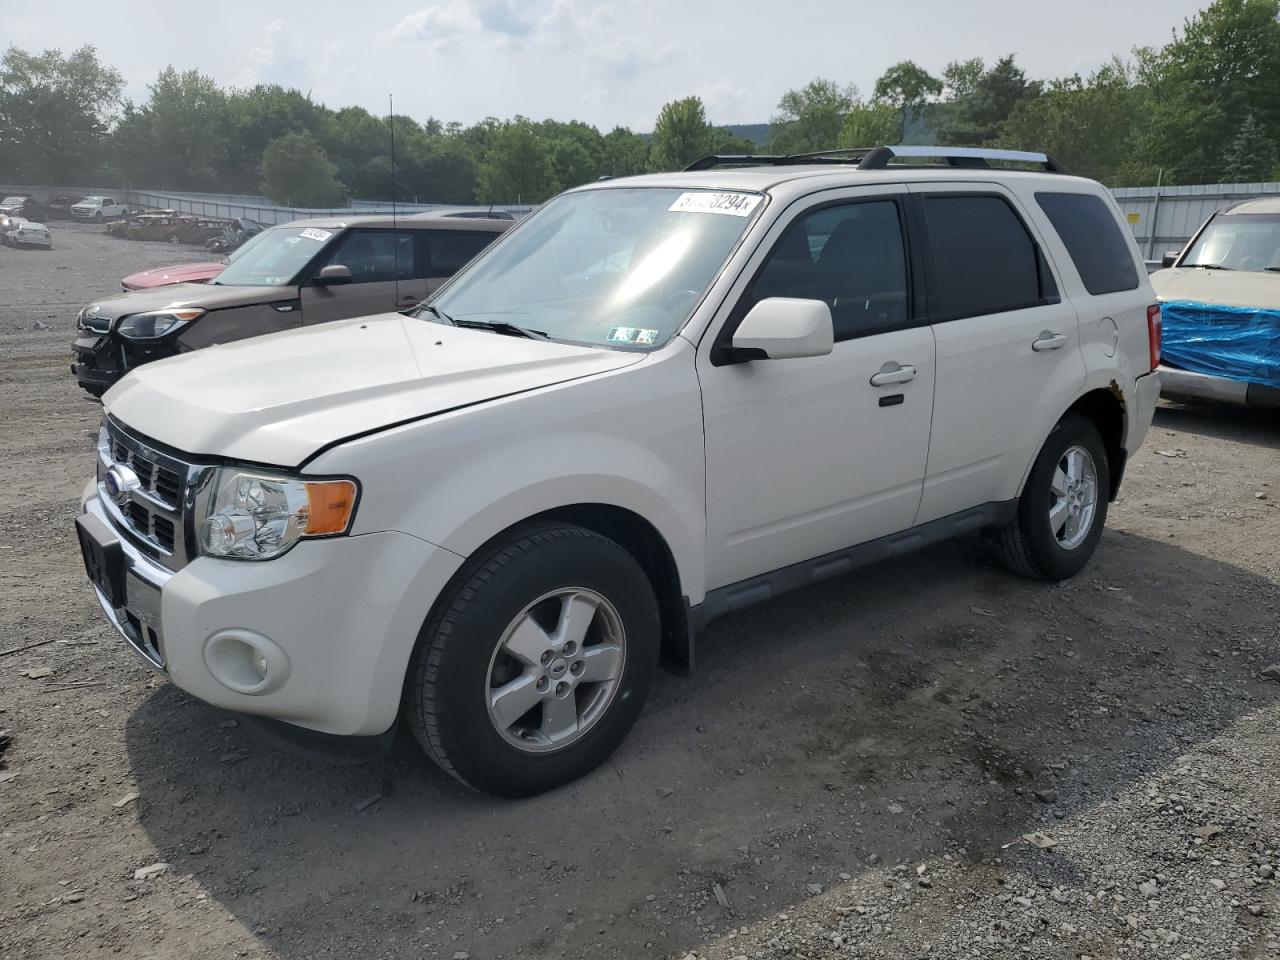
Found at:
(850, 772)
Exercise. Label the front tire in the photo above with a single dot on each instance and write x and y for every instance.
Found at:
(1063, 507)
(535, 662)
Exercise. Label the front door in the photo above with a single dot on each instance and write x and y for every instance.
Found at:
(376, 259)
(812, 455)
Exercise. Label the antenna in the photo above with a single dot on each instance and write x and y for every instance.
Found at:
(391, 122)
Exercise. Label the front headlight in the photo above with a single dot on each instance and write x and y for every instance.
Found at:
(255, 516)
(149, 326)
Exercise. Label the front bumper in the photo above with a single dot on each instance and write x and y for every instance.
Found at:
(1186, 384)
(333, 622)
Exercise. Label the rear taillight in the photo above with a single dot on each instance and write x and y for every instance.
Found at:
(1155, 329)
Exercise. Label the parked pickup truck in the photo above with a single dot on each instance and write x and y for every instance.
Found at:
(655, 401)
(293, 275)
(98, 208)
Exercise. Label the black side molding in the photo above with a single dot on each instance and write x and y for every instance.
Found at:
(766, 586)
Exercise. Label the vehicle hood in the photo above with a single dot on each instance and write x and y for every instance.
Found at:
(208, 296)
(178, 273)
(1232, 288)
(280, 398)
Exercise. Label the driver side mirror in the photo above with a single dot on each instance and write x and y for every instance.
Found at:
(333, 274)
(782, 328)
(1169, 259)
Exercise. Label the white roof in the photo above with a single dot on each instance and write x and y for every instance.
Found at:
(1262, 205)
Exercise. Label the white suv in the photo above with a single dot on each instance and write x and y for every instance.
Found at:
(655, 401)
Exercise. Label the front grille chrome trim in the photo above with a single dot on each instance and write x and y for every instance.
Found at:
(161, 528)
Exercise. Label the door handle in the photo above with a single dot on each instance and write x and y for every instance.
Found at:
(892, 373)
(1049, 341)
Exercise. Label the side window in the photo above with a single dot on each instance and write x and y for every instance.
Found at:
(450, 250)
(1089, 232)
(373, 256)
(984, 260)
(852, 257)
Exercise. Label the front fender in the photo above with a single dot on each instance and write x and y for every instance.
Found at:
(631, 439)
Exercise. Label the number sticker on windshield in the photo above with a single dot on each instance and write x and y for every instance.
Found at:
(704, 201)
(637, 335)
(311, 233)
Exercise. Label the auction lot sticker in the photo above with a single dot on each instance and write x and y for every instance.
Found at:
(311, 233)
(705, 201)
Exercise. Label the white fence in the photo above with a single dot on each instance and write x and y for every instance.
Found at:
(1162, 218)
(229, 206)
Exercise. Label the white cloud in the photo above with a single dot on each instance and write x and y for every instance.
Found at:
(283, 59)
(436, 24)
(726, 102)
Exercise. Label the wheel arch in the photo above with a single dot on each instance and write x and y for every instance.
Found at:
(646, 544)
(1105, 409)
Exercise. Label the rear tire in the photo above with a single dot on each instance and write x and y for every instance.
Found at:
(535, 617)
(1060, 516)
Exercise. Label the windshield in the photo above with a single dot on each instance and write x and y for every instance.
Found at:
(611, 267)
(1238, 241)
(275, 257)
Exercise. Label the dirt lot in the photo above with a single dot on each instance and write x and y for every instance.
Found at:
(842, 777)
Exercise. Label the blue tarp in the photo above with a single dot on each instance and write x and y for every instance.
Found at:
(1240, 343)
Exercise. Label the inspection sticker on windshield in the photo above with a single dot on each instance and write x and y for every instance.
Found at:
(311, 233)
(636, 335)
(704, 201)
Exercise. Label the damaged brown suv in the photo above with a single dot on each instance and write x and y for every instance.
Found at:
(306, 272)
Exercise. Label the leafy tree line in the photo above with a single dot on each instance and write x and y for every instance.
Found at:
(1204, 107)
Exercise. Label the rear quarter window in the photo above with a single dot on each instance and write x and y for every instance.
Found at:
(1092, 237)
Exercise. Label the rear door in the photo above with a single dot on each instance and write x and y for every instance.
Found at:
(377, 259)
(1008, 346)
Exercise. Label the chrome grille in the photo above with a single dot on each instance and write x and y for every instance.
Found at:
(151, 511)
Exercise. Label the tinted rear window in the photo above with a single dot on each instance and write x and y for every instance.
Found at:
(984, 261)
(1089, 232)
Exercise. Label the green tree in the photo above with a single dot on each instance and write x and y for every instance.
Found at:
(681, 135)
(729, 143)
(980, 104)
(1224, 67)
(960, 78)
(55, 112)
(869, 125)
(516, 167)
(1090, 126)
(179, 138)
(625, 153)
(810, 119)
(296, 172)
(1251, 156)
(906, 87)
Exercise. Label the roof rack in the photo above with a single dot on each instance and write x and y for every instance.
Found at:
(877, 158)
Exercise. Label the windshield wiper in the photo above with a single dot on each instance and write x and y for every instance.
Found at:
(500, 326)
(1210, 266)
(440, 314)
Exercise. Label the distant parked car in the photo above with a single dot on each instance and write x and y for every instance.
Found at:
(31, 234)
(151, 226)
(1220, 299)
(14, 205)
(233, 235)
(179, 273)
(98, 208)
(295, 274)
(8, 224)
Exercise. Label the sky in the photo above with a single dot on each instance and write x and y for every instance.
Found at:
(608, 63)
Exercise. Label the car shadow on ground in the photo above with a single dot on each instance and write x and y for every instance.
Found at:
(1259, 428)
(903, 711)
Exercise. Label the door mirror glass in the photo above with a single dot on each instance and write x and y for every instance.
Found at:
(1169, 259)
(334, 273)
(782, 328)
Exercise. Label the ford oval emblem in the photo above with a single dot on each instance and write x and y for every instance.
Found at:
(118, 482)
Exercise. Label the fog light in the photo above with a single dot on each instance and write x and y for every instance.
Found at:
(246, 662)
